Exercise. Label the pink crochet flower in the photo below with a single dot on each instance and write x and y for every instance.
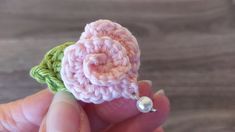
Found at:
(103, 64)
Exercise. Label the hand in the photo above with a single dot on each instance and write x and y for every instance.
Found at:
(65, 114)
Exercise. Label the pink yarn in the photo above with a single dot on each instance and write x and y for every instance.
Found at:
(103, 64)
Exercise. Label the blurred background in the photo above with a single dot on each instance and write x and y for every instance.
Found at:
(188, 49)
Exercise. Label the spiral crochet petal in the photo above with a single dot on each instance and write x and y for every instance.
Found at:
(103, 64)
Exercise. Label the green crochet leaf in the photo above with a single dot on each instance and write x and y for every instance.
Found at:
(48, 71)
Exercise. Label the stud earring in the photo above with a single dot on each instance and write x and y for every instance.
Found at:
(101, 66)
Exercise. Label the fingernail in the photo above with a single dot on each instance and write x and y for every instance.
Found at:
(65, 97)
(149, 82)
(160, 92)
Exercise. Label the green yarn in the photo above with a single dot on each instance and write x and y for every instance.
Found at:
(48, 71)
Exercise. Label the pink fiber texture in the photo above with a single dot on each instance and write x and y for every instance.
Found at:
(103, 64)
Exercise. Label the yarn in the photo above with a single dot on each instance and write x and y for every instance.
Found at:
(48, 71)
(103, 64)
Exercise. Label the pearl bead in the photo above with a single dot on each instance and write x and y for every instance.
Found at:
(144, 104)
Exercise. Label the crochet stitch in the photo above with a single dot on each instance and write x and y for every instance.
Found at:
(101, 66)
(48, 71)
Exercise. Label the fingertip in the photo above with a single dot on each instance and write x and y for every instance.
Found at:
(145, 88)
(63, 114)
(145, 82)
(162, 104)
(65, 98)
(159, 129)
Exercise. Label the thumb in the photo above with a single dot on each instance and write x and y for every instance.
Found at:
(66, 115)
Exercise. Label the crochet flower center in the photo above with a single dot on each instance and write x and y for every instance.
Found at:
(108, 67)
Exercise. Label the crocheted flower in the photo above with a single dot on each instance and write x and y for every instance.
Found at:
(103, 64)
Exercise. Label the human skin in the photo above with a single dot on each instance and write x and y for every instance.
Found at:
(61, 112)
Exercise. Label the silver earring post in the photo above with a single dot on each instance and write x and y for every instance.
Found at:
(144, 104)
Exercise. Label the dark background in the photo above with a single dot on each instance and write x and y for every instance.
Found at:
(188, 49)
